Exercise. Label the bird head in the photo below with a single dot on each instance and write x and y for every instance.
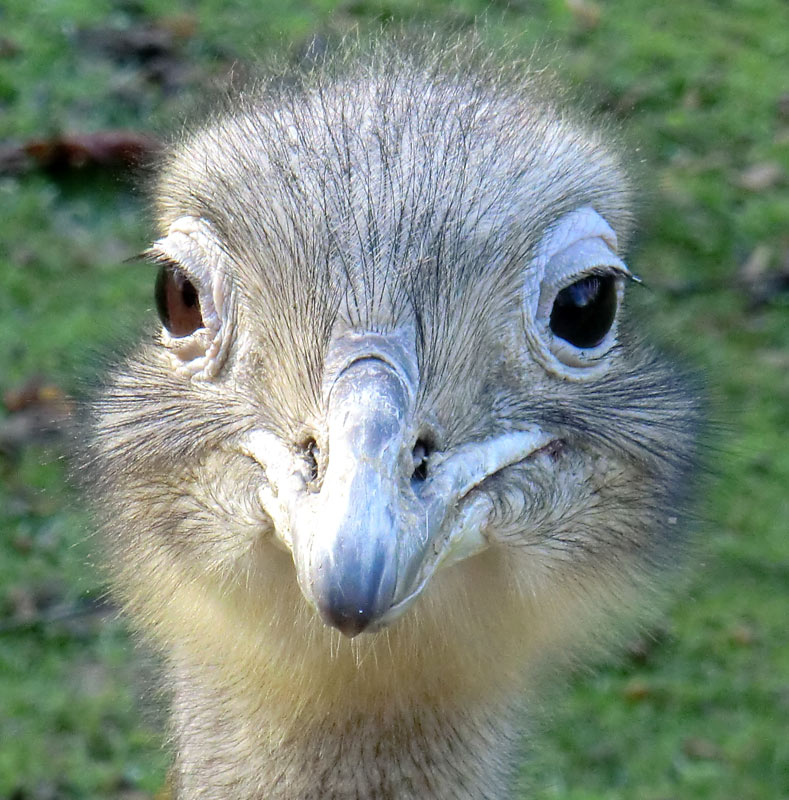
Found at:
(394, 337)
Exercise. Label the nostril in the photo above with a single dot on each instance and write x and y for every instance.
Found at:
(420, 455)
(311, 453)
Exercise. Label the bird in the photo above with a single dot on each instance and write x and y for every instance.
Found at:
(397, 448)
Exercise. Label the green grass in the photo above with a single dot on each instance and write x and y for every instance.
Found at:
(704, 713)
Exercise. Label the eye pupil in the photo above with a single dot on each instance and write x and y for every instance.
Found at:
(584, 311)
(177, 302)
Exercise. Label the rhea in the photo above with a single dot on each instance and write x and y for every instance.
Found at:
(396, 446)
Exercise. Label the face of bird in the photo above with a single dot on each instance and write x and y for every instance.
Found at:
(391, 337)
(370, 522)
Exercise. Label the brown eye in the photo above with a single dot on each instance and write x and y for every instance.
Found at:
(177, 302)
(584, 311)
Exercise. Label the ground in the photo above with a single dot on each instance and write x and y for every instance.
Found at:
(698, 707)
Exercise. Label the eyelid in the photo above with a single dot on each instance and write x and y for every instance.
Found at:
(607, 271)
(579, 225)
(583, 257)
(579, 244)
(160, 258)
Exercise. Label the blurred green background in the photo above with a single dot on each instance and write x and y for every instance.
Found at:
(698, 707)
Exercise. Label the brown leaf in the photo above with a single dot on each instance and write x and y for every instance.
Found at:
(22, 543)
(742, 635)
(35, 391)
(701, 749)
(783, 106)
(182, 25)
(39, 411)
(110, 148)
(637, 690)
(8, 47)
(586, 13)
(22, 600)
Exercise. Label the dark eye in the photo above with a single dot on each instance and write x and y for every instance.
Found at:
(584, 311)
(177, 302)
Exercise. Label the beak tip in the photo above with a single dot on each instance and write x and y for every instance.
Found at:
(348, 621)
(352, 591)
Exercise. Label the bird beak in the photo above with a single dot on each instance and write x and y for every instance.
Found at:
(350, 543)
(366, 542)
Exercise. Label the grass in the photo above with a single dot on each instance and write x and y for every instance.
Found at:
(701, 88)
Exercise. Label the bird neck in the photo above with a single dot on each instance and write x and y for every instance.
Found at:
(405, 748)
(269, 703)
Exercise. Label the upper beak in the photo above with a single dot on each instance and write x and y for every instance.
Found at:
(358, 540)
(366, 543)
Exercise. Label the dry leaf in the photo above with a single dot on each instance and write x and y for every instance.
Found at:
(35, 391)
(8, 47)
(742, 635)
(637, 690)
(39, 411)
(783, 106)
(701, 749)
(586, 13)
(111, 148)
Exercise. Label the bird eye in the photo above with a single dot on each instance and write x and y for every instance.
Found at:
(584, 311)
(177, 302)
